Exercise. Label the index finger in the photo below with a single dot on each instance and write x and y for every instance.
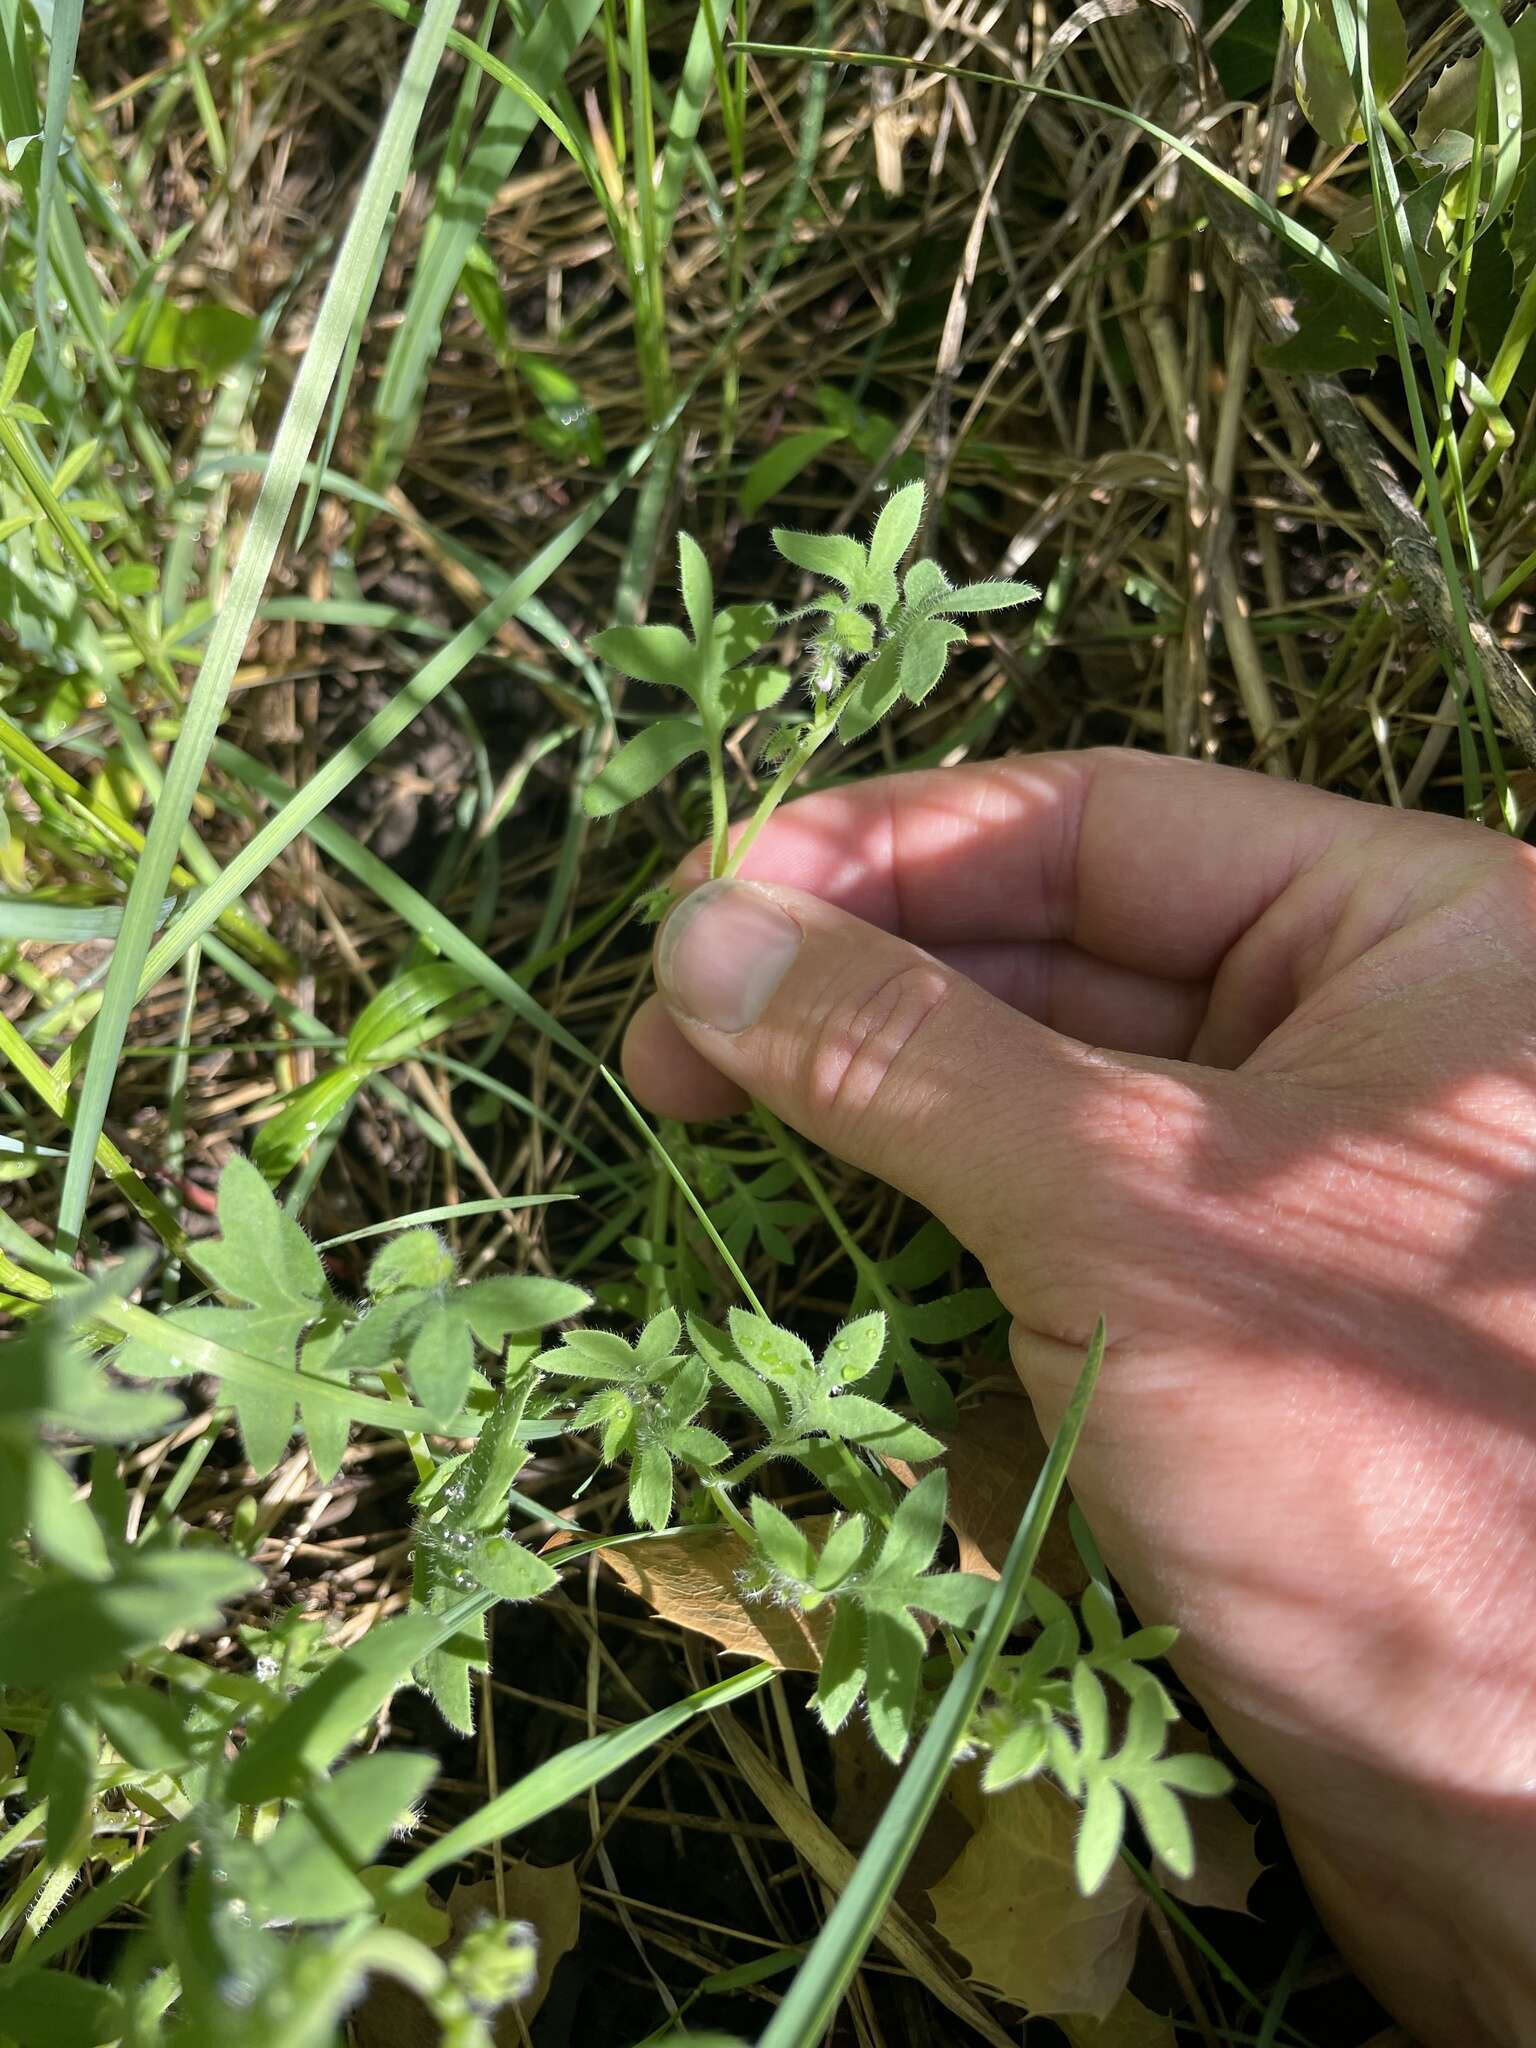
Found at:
(1146, 862)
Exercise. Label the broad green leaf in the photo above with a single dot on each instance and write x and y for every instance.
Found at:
(400, 1016)
(63, 1771)
(981, 597)
(47, 2009)
(924, 655)
(441, 1359)
(777, 1354)
(145, 1726)
(62, 1527)
(206, 340)
(516, 1304)
(415, 1259)
(836, 556)
(283, 1140)
(782, 463)
(855, 1350)
(261, 1255)
(309, 1862)
(510, 1570)
(663, 655)
(59, 1632)
(866, 1422)
(697, 586)
(896, 528)
(641, 763)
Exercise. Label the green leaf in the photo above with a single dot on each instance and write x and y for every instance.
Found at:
(952, 1316)
(894, 1646)
(663, 655)
(866, 1422)
(778, 1354)
(924, 655)
(697, 586)
(981, 597)
(403, 1015)
(46, 2009)
(650, 1487)
(285, 1139)
(855, 1350)
(842, 1678)
(59, 1632)
(261, 1255)
(16, 362)
(510, 1570)
(896, 528)
(441, 1359)
(63, 1527)
(143, 1725)
(517, 1304)
(63, 1771)
(641, 763)
(835, 556)
(782, 463)
(874, 691)
(206, 340)
(309, 1862)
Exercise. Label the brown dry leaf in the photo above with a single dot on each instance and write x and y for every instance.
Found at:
(1011, 1907)
(1129, 2024)
(690, 1578)
(1226, 1863)
(549, 1899)
(993, 1456)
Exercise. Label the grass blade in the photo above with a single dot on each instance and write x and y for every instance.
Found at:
(812, 2000)
(301, 417)
(62, 43)
(566, 1777)
(539, 59)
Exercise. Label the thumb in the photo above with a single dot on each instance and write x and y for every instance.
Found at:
(902, 1066)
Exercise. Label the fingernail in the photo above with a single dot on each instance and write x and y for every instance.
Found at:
(723, 952)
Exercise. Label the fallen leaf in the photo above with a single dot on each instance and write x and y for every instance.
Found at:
(1226, 1863)
(1010, 1906)
(993, 1456)
(548, 1897)
(1128, 2024)
(691, 1578)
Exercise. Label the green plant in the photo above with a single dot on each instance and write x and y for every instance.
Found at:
(880, 637)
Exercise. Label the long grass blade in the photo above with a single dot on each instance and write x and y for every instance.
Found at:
(63, 41)
(301, 417)
(539, 60)
(566, 1777)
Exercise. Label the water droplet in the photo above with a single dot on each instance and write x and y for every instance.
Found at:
(464, 1582)
(1512, 123)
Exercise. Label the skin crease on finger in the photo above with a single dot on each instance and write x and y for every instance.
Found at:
(1314, 1444)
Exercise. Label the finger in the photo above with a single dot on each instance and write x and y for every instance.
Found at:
(892, 1060)
(670, 1077)
(1153, 864)
(1083, 998)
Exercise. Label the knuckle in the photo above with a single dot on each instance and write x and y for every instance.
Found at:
(861, 1052)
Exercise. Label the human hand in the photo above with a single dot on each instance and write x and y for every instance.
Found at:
(1250, 1071)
